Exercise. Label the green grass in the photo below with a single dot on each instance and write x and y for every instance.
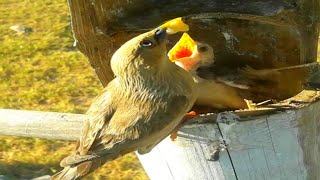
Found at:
(43, 71)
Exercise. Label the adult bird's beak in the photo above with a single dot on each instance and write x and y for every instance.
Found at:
(170, 27)
(175, 25)
(160, 35)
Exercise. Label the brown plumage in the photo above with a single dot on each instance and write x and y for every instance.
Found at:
(262, 84)
(141, 106)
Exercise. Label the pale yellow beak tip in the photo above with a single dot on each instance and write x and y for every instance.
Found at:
(175, 25)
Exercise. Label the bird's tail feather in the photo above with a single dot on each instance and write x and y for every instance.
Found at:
(68, 173)
(79, 170)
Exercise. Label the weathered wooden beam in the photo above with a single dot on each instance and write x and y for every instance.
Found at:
(49, 125)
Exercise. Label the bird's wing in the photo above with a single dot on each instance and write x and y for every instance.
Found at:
(98, 116)
(137, 121)
(109, 126)
(262, 74)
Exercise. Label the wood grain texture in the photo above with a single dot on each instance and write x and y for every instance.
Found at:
(49, 125)
(266, 148)
(309, 138)
(189, 156)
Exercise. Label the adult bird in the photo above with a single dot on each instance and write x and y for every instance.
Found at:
(140, 107)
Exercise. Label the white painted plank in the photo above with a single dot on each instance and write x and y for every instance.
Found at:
(188, 157)
(266, 148)
(309, 138)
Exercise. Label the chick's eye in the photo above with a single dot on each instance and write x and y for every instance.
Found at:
(146, 43)
(203, 49)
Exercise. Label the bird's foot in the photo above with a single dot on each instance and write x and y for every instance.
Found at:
(188, 119)
(191, 114)
(253, 106)
(174, 133)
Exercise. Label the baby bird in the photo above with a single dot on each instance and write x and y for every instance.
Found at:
(212, 92)
(223, 88)
(141, 106)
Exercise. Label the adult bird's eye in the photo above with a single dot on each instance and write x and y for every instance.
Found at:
(146, 43)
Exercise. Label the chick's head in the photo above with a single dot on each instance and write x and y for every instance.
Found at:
(202, 56)
(190, 54)
(146, 52)
(204, 52)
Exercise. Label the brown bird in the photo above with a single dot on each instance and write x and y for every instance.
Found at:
(141, 106)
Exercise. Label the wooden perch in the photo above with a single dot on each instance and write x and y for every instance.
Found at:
(50, 125)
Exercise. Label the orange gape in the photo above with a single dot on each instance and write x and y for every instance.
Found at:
(184, 48)
(183, 53)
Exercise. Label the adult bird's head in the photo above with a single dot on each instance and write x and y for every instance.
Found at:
(143, 54)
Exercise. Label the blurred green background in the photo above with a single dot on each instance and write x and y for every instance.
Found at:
(41, 70)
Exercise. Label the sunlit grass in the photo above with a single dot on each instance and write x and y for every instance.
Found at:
(43, 71)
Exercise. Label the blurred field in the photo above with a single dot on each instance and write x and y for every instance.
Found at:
(42, 71)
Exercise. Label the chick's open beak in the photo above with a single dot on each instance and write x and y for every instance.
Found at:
(185, 47)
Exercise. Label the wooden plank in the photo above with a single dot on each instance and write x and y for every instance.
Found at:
(189, 156)
(284, 145)
(309, 138)
(50, 125)
(266, 148)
